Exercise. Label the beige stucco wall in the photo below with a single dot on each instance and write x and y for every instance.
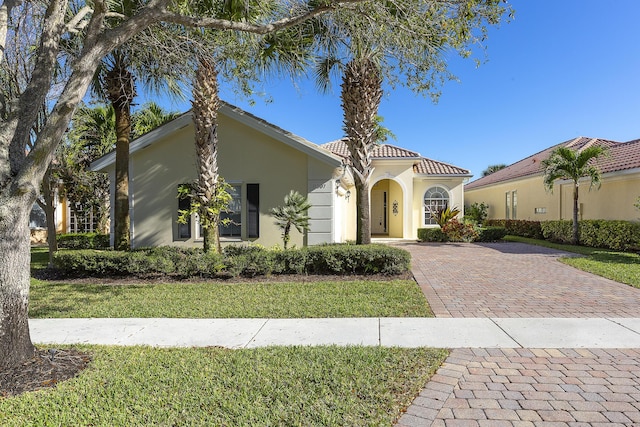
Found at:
(246, 156)
(614, 199)
(420, 185)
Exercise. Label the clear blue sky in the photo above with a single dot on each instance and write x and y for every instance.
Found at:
(560, 69)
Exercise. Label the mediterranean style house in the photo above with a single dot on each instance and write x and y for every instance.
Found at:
(262, 163)
(517, 191)
(66, 219)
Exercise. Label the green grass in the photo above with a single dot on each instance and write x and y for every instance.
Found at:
(276, 386)
(39, 257)
(395, 298)
(622, 267)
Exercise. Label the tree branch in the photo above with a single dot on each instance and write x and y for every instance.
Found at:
(20, 122)
(223, 24)
(75, 25)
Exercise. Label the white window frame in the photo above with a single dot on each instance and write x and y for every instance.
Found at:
(426, 211)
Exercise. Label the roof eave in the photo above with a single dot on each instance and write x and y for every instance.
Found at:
(443, 175)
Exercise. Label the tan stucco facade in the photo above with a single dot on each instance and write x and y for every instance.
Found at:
(613, 200)
(248, 156)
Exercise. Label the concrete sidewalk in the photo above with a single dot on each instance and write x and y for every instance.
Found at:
(402, 332)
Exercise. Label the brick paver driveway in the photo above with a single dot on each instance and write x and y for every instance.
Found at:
(523, 387)
(514, 280)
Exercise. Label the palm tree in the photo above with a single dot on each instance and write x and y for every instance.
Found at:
(116, 82)
(206, 103)
(238, 59)
(361, 96)
(493, 168)
(565, 163)
(293, 213)
(149, 117)
(385, 41)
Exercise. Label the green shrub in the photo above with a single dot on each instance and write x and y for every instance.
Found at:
(83, 241)
(608, 234)
(459, 232)
(490, 234)
(518, 227)
(247, 261)
(431, 235)
(557, 231)
(356, 259)
(290, 261)
(476, 213)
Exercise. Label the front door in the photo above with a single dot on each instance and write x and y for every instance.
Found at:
(379, 212)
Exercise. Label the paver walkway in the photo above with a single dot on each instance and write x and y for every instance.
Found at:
(514, 280)
(523, 387)
(531, 388)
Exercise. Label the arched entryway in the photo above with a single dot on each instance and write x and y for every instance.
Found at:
(387, 209)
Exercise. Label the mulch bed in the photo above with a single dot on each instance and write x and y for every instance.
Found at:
(46, 369)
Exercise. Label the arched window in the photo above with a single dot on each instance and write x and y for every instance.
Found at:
(435, 199)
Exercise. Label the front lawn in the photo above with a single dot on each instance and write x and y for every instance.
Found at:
(359, 298)
(276, 386)
(623, 267)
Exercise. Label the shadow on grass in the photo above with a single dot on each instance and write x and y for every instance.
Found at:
(615, 257)
(56, 299)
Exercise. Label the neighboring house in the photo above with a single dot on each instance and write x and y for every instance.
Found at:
(262, 163)
(518, 192)
(65, 218)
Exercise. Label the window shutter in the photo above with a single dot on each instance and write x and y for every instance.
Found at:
(184, 230)
(253, 210)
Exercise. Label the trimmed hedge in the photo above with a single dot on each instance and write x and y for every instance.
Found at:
(490, 234)
(518, 227)
(481, 234)
(431, 235)
(609, 234)
(248, 261)
(83, 241)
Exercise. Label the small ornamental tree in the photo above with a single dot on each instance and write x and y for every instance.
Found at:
(208, 207)
(565, 163)
(293, 213)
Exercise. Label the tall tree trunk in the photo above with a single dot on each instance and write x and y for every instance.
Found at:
(361, 95)
(49, 206)
(574, 234)
(121, 91)
(15, 341)
(206, 103)
(363, 207)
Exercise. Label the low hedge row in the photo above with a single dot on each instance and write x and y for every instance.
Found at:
(482, 234)
(518, 227)
(83, 241)
(609, 234)
(240, 261)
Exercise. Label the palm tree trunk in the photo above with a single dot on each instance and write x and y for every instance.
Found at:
(361, 95)
(122, 237)
(574, 234)
(15, 341)
(121, 91)
(206, 103)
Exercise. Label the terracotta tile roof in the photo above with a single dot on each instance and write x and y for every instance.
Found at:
(383, 151)
(622, 156)
(433, 167)
(422, 166)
